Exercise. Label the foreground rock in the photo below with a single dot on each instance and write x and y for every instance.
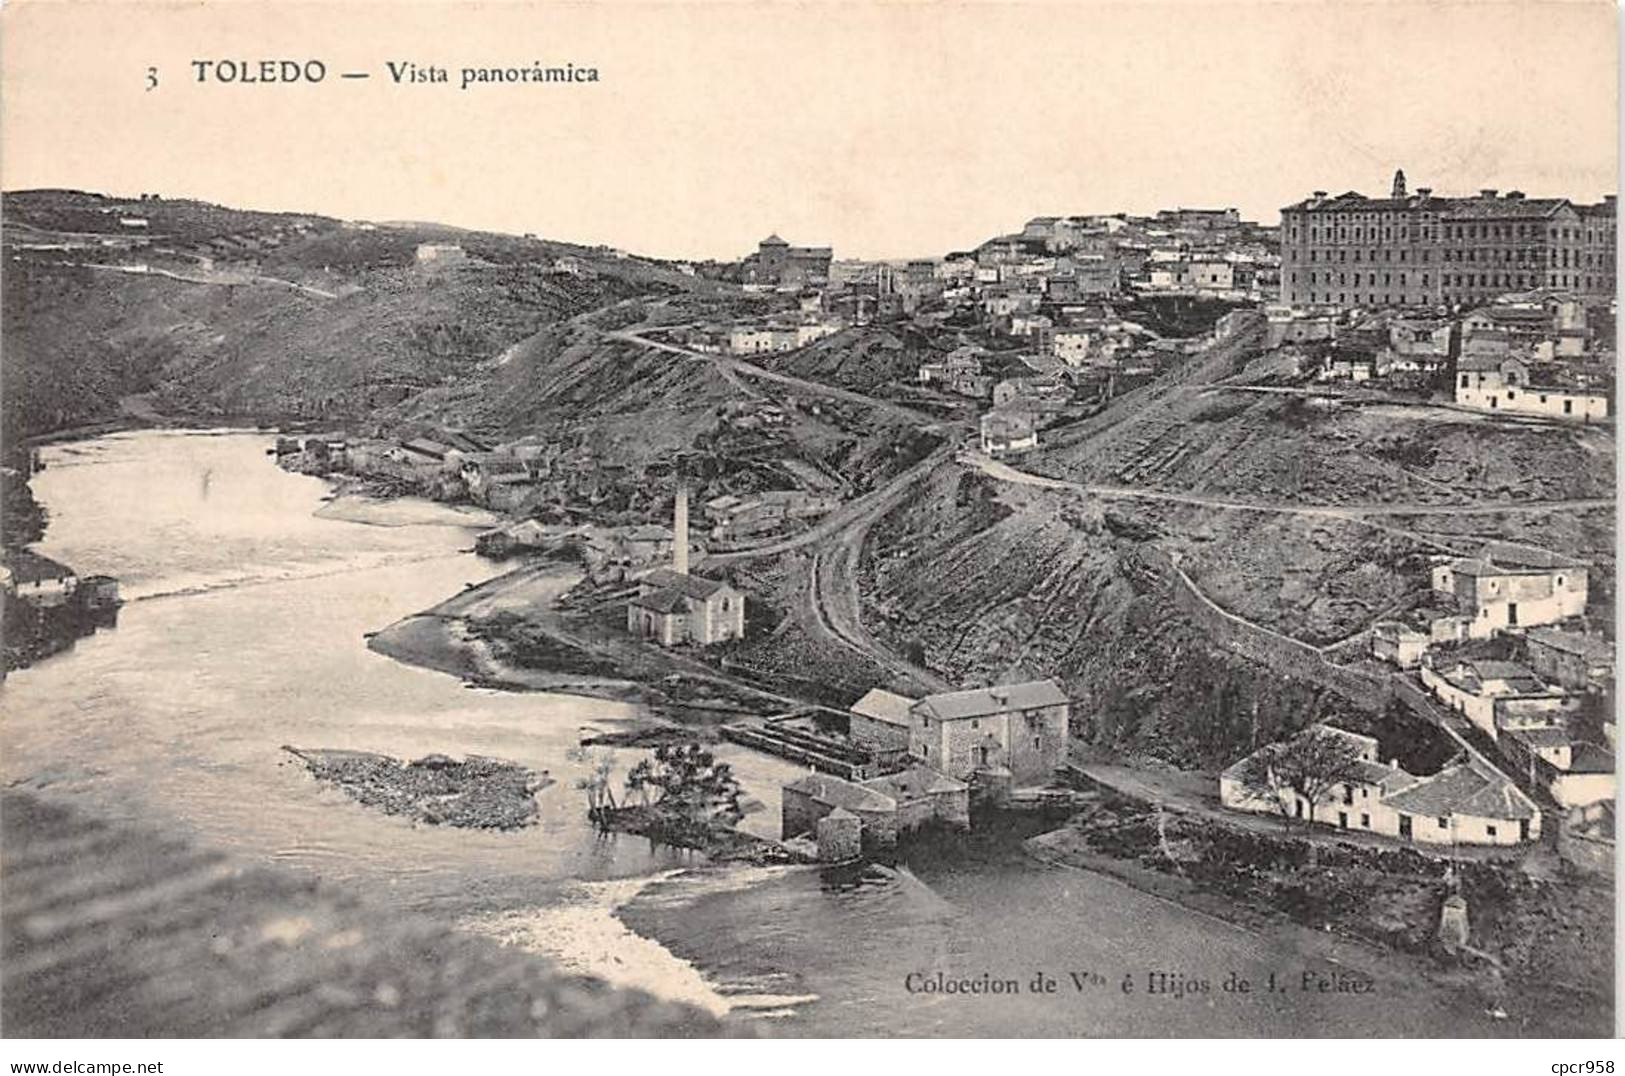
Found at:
(200, 945)
(475, 793)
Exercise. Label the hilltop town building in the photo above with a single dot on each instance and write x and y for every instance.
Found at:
(1007, 432)
(1422, 250)
(1499, 382)
(777, 262)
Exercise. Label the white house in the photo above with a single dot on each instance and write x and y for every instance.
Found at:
(1070, 346)
(1008, 432)
(673, 608)
(40, 580)
(1498, 695)
(1398, 644)
(1497, 383)
(1466, 803)
(1508, 587)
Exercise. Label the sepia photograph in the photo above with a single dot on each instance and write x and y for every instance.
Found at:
(827, 520)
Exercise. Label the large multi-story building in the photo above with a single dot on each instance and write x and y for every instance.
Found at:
(777, 262)
(1423, 250)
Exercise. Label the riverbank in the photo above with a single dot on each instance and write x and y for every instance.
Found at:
(1542, 950)
(439, 638)
(509, 633)
(351, 505)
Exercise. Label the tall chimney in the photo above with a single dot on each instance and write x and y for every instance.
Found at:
(679, 548)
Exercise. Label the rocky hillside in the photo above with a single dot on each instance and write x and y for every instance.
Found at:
(220, 312)
(1134, 550)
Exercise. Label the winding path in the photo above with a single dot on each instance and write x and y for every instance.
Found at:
(733, 368)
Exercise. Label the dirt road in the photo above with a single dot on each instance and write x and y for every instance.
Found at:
(1006, 473)
(835, 597)
(733, 368)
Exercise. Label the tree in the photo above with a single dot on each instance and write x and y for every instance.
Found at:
(688, 778)
(600, 795)
(1311, 765)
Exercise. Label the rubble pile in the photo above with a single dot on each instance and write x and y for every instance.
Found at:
(475, 793)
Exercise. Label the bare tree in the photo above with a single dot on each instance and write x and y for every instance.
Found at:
(597, 785)
(1311, 765)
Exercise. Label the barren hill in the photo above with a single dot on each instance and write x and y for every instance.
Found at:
(231, 313)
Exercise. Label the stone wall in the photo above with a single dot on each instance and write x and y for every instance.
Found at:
(1283, 654)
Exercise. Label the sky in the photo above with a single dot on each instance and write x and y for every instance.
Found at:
(883, 129)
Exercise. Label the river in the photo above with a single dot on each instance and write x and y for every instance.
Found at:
(245, 631)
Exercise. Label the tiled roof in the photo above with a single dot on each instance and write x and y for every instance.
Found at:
(1590, 647)
(1387, 778)
(841, 793)
(1463, 790)
(1506, 553)
(884, 706)
(983, 701)
(29, 567)
(667, 600)
(1501, 208)
(1590, 758)
(1500, 670)
(1471, 208)
(1541, 737)
(694, 586)
(917, 781)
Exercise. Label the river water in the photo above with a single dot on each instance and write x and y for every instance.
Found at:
(245, 631)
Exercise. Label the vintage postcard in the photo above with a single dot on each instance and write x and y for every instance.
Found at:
(827, 520)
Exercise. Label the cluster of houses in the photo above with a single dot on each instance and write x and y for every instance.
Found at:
(449, 464)
(1531, 353)
(1547, 713)
(1203, 253)
(1528, 708)
(781, 335)
(1467, 802)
